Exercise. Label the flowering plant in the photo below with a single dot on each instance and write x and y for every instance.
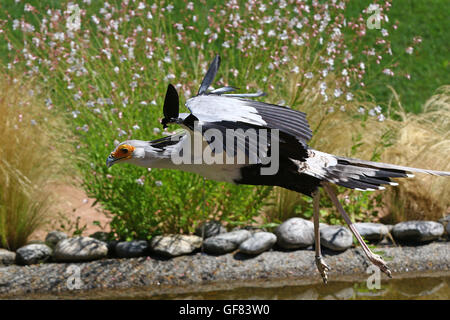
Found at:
(105, 66)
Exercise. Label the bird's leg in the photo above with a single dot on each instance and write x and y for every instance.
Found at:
(375, 259)
(321, 265)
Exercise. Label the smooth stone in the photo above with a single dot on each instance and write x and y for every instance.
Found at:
(53, 237)
(418, 231)
(225, 242)
(252, 229)
(7, 257)
(100, 235)
(258, 242)
(212, 228)
(445, 221)
(131, 249)
(295, 233)
(175, 244)
(80, 249)
(336, 238)
(218, 246)
(371, 231)
(33, 253)
(112, 247)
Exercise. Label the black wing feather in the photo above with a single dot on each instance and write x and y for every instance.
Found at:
(291, 121)
(210, 74)
(171, 107)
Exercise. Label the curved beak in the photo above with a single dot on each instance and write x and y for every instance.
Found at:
(110, 161)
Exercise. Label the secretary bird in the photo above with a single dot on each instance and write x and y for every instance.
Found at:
(218, 114)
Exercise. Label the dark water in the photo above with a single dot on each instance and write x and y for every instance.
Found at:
(404, 289)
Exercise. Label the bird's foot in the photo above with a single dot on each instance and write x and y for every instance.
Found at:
(323, 268)
(379, 262)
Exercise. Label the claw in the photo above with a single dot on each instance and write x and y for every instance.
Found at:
(379, 262)
(323, 268)
(386, 270)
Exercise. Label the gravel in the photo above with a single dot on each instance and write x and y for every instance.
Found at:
(154, 275)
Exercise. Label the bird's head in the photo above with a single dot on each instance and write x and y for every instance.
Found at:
(128, 151)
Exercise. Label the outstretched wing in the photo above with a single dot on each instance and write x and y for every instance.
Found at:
(217, 108)
(221, 111)
(254, 140)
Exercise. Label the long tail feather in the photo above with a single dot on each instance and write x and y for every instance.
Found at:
(356, 173)
(387, 166)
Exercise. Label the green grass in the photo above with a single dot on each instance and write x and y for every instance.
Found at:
(429, 64)
(102, 104)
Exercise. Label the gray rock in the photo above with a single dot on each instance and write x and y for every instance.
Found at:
(80, 249)
(112, 248)
(212, 228)
(175, 244)
(53, 237)
(295, 233)
(215, 245)
(258, 242)
(33, 253)
(131, 249)
(336, 238)
(252, 229)
(372, 231)
(7, 257)
(236, 237)
(100, 235)
(225, 242)
(445, 221)
(417, 231)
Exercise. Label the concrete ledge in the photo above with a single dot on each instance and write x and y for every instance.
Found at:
(198, 272)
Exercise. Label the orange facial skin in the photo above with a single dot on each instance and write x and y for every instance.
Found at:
(125, 151)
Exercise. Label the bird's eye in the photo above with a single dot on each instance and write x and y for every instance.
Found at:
(125, 150)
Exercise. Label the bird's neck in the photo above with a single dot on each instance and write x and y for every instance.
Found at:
(156, 157)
